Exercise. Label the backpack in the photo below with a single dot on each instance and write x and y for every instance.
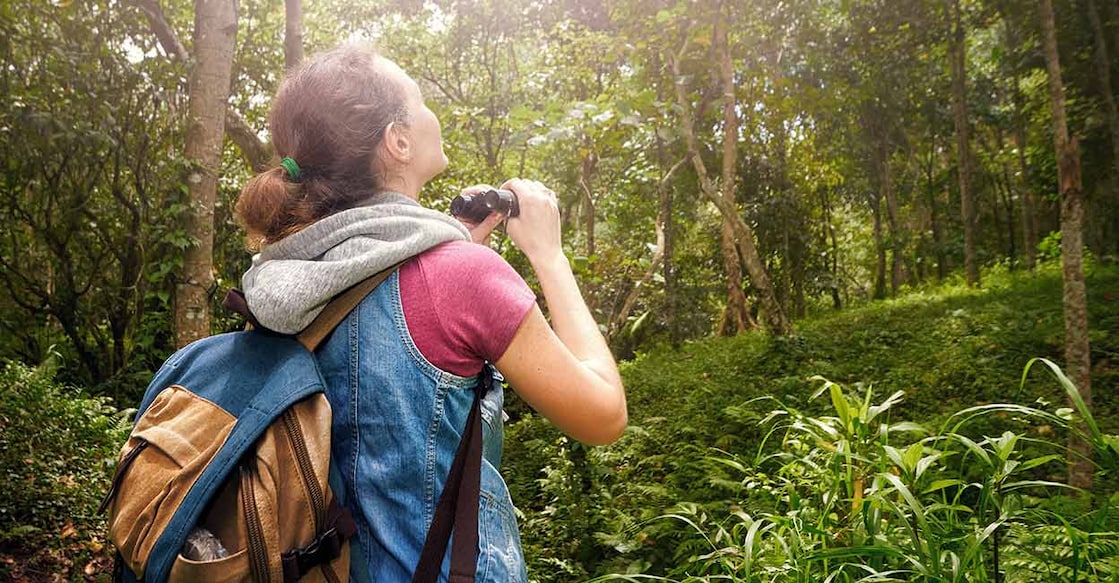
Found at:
(231, 447)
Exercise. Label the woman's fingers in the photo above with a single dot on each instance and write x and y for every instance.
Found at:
(480, 232)
(536, 230)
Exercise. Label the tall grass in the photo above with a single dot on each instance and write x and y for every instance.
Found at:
(850, 497)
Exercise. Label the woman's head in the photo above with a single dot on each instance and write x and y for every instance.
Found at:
(356, 125)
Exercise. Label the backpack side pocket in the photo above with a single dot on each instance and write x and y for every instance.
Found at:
(167, 451)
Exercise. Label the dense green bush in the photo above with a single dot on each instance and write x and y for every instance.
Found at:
(57, 451)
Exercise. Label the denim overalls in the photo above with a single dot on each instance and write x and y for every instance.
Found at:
(397, 422)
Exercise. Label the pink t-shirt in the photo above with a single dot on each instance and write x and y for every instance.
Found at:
(462, 303)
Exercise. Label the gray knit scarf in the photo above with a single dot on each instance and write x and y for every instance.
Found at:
(293, 279)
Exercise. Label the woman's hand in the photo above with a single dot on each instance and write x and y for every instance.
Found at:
(536, 230)
(480, 232)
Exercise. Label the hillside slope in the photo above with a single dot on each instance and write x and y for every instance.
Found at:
(947, 348)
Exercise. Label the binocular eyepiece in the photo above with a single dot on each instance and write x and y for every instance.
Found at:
(477, 206)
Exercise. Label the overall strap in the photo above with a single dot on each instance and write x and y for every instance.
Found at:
(458, 504)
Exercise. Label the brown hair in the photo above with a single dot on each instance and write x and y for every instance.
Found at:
(329, 116)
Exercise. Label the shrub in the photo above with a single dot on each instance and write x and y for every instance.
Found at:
(57, 451)
(852, 496)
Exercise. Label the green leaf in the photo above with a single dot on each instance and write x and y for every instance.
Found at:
(938, 485)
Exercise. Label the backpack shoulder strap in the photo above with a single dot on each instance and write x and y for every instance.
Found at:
(458, 507)
(339, 308)
(328, 318)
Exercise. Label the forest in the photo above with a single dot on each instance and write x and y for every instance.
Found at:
(858, 261)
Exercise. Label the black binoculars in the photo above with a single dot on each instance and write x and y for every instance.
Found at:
(477, 206)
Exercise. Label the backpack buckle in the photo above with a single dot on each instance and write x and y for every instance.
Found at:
(325, 548)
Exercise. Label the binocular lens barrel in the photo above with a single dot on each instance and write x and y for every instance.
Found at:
(479, 205)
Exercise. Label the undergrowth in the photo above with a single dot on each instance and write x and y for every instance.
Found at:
(58, 447)
(698, 411)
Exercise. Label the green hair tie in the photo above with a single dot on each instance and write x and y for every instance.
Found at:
(290, 167)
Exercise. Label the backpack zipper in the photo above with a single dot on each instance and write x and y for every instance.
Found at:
(119, 475)
(306, 468)
(258, 549)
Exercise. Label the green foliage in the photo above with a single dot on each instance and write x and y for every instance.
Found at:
(58, 447)
(853, 497)
(90, 195)
(697, 447)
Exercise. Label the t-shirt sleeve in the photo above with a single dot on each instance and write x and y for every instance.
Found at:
(474, 303)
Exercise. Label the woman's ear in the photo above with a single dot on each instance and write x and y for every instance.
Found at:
(398, 143)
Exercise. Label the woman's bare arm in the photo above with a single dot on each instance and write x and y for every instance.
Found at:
(567, 374)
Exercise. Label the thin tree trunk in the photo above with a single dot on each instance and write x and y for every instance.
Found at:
(1022, 178)
(880, 247)
(1103, 73)
(886, 184)
(293, 33)
(774, 316)
(665, 210)
(958, 58)
(215, 30)
(833, 261)
(996, 188)
(794, 230)
(1029, 202)
(1008, 182)
(736, 315)
(663, 217)
(585, 178)
(1077, 349)
(934, 216)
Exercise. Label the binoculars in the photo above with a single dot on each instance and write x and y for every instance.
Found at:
(477, 206)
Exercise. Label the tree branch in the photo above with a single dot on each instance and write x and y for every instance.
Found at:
(620, 318)
(257, 153)
(163, 31)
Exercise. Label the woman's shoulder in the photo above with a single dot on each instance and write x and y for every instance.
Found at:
(460, 255)
(463, 302)
(460, 267)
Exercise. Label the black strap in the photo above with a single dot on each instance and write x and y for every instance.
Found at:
(235, 302)
(326, 547)
(458, 503)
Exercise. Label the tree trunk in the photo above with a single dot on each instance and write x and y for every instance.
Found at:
(215, 30)
(934, 215)
(958, 57)
(880, 247)
(1103, 73)
(833, 260)
(1008, 190)
(293, 33)
(1029, 202)
(1077, 351)
(888, 192)
(774, 316)
(736, 314)
(1022, 180)
(664, 210)
(585, 178)
(257, 152)
(793, 228)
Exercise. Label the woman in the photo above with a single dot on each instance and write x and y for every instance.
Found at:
(359, 145)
